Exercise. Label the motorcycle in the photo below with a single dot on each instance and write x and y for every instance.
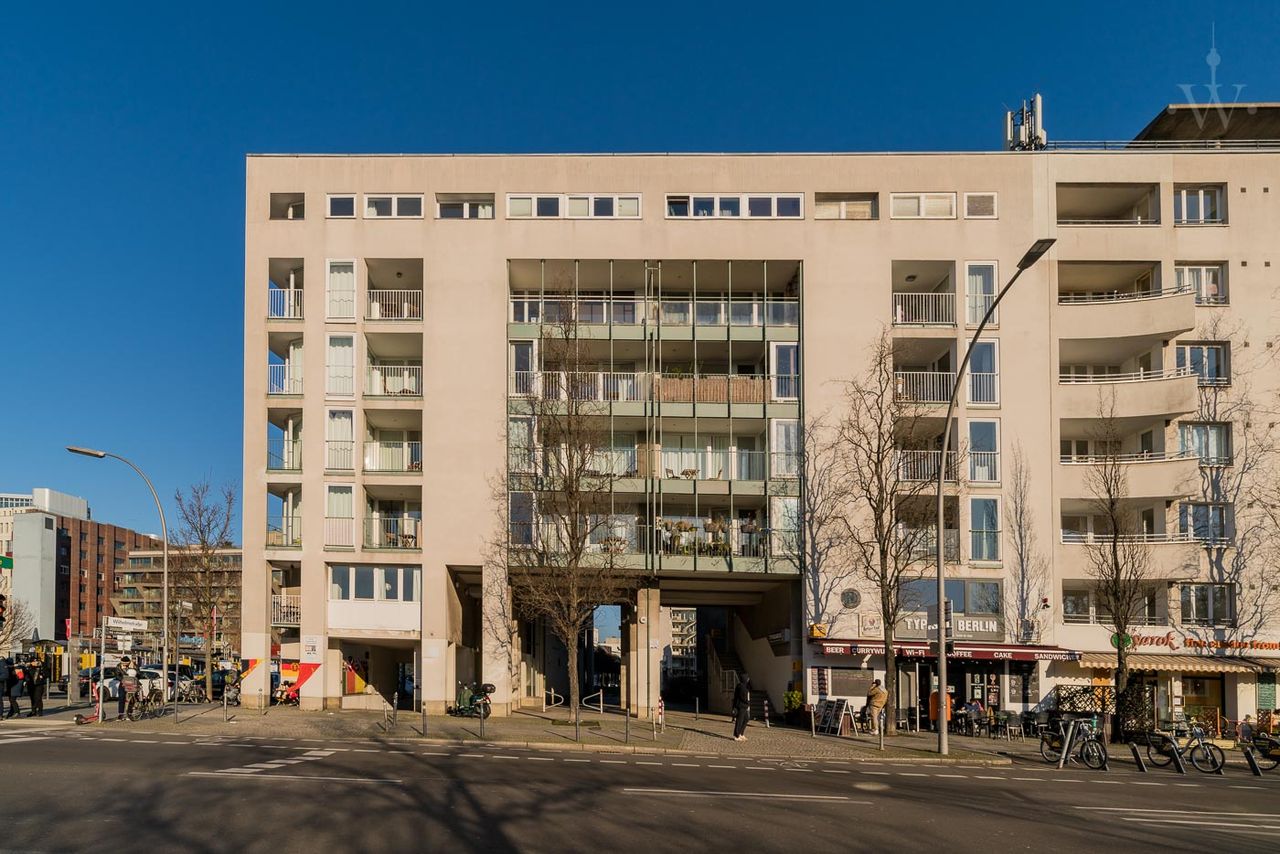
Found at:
(473, 701)
(231, 695)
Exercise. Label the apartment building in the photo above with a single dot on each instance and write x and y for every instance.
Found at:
(397, 317)
(139, 593)
(13, 503)
(65, 569)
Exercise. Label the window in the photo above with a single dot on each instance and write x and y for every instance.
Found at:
(520, 520)
(786, 371)
(390, 583)
(340, 371)
(339, 440)
(979, 205)
(1209, 441)
(1209, 361)
(1208, 604)
(339, 524)
(984, 528)
(1075, 606)
(863, 206)
(922, 206)
(462, 206)
(524, 373)
(520, 448)
(980, 291)
(984, 373)
(342, 207)
(363, 585)
(339, 582)
(1207, 280)
(387, 207)
(1194, 205)
(984, 451)
(758, 206)
(983, 597)
(1206, 522)
(574, 206)
(785, 441)
(922, 593)
(341, 290)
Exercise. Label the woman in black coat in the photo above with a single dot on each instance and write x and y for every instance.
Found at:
(741, 706)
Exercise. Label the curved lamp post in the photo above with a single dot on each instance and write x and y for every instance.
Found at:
(1032, 255)
(164, 542)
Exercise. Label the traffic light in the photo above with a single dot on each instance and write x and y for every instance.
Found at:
(4, 606)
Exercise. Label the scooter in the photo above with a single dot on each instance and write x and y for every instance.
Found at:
(473, 701)
(231, 694)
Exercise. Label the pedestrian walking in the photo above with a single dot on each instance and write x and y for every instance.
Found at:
(36, 678)
(877, 698)
(14, 689)
(125, 665)
(741, 707)
(6, 673)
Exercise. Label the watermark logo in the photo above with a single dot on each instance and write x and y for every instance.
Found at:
(1205, 109)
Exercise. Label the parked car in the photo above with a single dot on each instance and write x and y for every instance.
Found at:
(147, 679)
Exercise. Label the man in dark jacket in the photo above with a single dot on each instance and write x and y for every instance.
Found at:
(741, 707)
(6, 674)
(36, 677)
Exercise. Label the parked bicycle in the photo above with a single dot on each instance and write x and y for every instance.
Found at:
(1206, 756)
(192, 692)
(1266, 751)
(140, 706)
(1086, 745)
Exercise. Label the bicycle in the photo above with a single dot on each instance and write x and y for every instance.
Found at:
(138, 707)
(1086, 745)
(1266, 751)
(193, 692)
(1206, 756)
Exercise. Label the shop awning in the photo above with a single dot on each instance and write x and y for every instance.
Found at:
(963, 651)
(1181, 663)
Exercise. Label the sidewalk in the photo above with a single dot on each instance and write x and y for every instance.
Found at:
(554, 730)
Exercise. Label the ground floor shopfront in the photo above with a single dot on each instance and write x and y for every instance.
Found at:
(1003, 677)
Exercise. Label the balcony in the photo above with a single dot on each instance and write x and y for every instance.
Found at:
(339, 455)
(286, 609)
(725, 388)
(984, 466)
(598, 386)
(612, 386)
(283, 379)
(934, 309)
(924, 386)
(284, 454)
(666, 311)
(917, 466)
(1077, 538)
(392, 456)
(394, 305)
(923, 544)
(284, 532)
(339, 532)
(1108, 204)
(1148, 475)
(394, 381)
(283, 304)
(399, 533)
(726, 464)
(1118, 300)
(1138, 394)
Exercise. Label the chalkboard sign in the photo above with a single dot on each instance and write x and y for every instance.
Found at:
(832, 714)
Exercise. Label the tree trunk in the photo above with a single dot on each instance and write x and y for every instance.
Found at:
(572, 648)
(208, 662)
(890, 684)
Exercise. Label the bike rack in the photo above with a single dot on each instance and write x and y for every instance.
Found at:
(586, 701)
(556, 699)
(1253, 762)
(1137, 757)
(1068, 742)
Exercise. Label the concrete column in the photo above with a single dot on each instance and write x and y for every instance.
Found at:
(497, 650)
(642, 662)
(326, 682)
(433, 669)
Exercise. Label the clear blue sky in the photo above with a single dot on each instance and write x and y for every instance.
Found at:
(123, 132)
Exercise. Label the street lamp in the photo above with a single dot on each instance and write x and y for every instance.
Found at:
(1037, 250)
(164, 544)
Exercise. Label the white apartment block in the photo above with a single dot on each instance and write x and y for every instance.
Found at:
(394, 309)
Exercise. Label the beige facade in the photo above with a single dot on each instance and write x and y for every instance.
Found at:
(386, 298)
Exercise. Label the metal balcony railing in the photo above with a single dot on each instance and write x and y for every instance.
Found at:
(339, 455)
(339, 531)
(286, 609)
(666, 311)
(923, 465)
(924, 386)
(1086, 537)
(984, 388)
(1119, 296)
(283, 304)
(933, 309)
(984, 466)
(284, 454)
(394, 305)
(728, 464)
(391, 456)
(394, 381)
(923, 544)
(284, 532)
(283, 379)
(393, 532)
(1132, 377)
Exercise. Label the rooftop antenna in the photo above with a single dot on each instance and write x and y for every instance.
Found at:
(1024, 127)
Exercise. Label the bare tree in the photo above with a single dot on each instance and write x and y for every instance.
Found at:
(564, 543)
(1029, 570)
(200, 571)
(890, 467)
(822, 549)
(19, 623)
(1119, 556)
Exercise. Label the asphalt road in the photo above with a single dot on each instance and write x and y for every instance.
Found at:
(119, 788)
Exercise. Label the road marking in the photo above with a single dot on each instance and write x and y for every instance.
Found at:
(1112, 782)
(295, 777)
(993, 777)
(1181, 812)
(583, 760)
(606, 761)
(639, 762)
(1246, 787)
(954, 776)
(735, 766)
(144, 741)
(17, 739)
(1024, 779)
(911, 774)
(757, 768)
(824, 770)
(121, 739)
(530, 758)
(175, 742)
(502, 756)
(428, 753)
(1143, 783)
(364, 750)
(473, 755)
(686, 765)
(694, 793)
(878, 773)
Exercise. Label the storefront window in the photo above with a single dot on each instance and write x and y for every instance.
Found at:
(1201, 695)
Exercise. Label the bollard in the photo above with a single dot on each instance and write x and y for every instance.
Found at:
(1066, 744)
(424, 718)
(881, 728)
(482, 717)
(1177, 755)
(1253, 762)
(766, 713)
(1137, 758)
(662, 714)
(261, 705)
(224, 706)
(626, 726)
(813, 724)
